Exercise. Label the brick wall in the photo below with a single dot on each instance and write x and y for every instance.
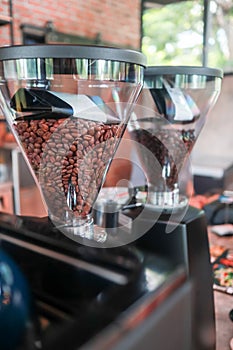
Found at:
(117, 22)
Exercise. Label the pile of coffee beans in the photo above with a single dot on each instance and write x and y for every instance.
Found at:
(70, 158)
(33, 135)
(169, 146)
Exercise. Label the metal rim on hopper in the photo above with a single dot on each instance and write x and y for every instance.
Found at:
(182, 70)
(72, 51)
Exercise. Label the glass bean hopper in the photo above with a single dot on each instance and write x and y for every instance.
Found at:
(68, 107)
(169, 117)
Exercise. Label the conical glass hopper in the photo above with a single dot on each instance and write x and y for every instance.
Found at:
(68, 107)
(166, 122)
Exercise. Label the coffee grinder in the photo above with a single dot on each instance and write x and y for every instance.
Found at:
(68, 107)
(166, 122)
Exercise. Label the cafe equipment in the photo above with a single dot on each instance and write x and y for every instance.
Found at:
(68, 107)
(150, 286)
(171, 113)
(156, 290)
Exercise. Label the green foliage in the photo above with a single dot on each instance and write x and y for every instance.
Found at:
(162, 42)
(173, 35)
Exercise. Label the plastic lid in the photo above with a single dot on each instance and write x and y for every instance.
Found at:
(186, 70)
(71, 51)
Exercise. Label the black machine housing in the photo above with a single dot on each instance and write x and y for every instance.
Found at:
(153, 293)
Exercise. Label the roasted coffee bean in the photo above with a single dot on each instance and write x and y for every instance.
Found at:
(69, 157)
(170, 147)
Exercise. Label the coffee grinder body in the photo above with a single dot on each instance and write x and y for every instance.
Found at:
(186, 243)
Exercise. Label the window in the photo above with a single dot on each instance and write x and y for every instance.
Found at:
(188, 32)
